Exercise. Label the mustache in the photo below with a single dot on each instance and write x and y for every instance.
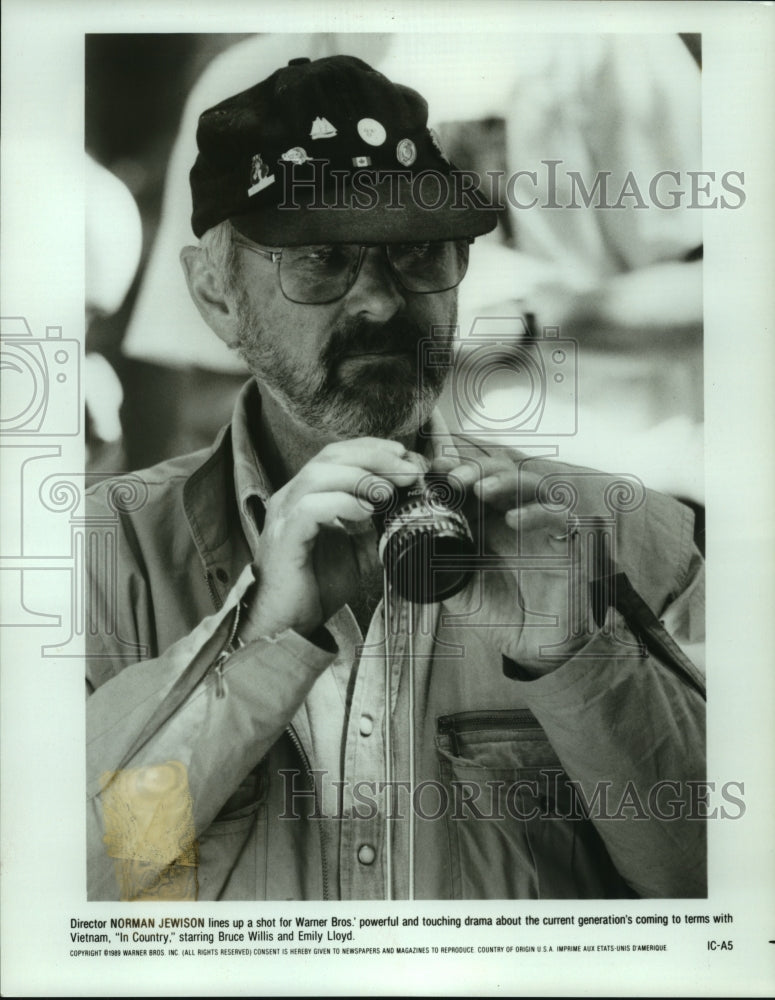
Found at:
(399, 334)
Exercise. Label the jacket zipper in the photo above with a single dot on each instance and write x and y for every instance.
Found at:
(228, 647)
(226, 651)
(305, 760)
(214, 597)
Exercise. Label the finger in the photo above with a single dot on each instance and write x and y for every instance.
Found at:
(322, 477)
(471, 470)
(500, 489)
(367, 441)
(372, 455)
(317, 509)
(420, 462)
(362, 451)
(506, 488)
(444, 463)
(535, 518)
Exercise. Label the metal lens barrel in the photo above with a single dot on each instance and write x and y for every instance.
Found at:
(425, 543)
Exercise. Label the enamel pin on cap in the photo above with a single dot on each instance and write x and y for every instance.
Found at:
(295, 155)
(406, 152)
(371, 131)
(322, 129)
(259, 175)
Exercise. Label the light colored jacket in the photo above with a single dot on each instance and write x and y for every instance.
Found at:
(220, 745)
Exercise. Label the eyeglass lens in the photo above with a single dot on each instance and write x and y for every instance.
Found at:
(317, 274)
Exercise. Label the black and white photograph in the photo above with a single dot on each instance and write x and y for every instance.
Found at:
(386, 439)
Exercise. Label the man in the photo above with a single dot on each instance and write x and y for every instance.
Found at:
(268, 717)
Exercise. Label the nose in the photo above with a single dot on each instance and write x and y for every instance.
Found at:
(375, 294)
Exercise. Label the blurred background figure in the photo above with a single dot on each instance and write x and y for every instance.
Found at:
(136, 86)
(113, 245)
(624, 283)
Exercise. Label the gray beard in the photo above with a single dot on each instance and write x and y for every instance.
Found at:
(388, 399)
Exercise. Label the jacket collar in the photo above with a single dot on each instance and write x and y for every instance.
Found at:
(210, 506)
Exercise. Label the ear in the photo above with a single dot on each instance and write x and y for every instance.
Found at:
(215, 304)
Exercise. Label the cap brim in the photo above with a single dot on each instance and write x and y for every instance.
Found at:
(387, 214)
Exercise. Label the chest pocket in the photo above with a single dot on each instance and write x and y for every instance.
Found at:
(515, 828)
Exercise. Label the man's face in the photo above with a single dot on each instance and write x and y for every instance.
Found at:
(348, 368)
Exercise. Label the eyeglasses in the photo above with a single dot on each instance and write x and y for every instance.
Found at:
(317, 275)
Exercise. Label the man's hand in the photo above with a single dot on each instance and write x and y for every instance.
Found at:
(298, 588)
(531, 601)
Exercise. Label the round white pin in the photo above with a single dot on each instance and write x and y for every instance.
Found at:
(371, 131)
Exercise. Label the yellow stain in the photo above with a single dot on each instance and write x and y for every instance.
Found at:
(149, 831)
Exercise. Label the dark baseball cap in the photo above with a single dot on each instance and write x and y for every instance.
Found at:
(330, 151)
